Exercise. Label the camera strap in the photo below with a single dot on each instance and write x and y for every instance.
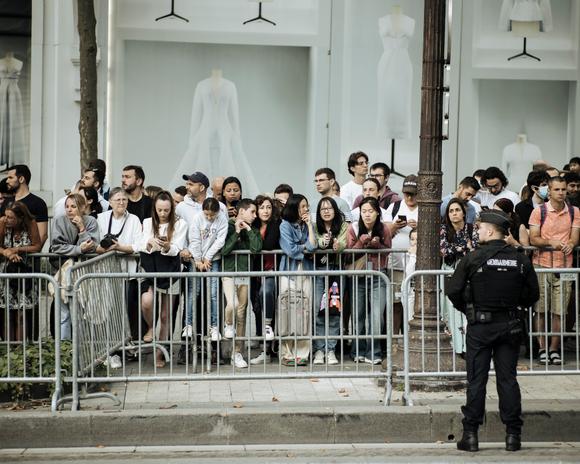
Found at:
(122, 227)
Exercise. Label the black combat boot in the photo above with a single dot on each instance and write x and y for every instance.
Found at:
(468, 442)
(513, 442)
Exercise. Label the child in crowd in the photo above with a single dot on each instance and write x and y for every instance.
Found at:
(240, 236)
(207, 235)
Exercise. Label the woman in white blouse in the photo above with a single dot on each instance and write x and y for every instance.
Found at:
(164, 236)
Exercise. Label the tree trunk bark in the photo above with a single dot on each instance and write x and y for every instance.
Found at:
(88, 81)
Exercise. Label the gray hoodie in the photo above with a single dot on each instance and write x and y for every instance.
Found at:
(66, 239)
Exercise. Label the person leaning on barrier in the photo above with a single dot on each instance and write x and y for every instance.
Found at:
(18, 237)
(164, 236)
(73, 234)
(121, 231)
(555, 225)
(491, 285)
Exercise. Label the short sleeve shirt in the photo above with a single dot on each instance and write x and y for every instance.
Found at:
(556, 226)
(36, 206)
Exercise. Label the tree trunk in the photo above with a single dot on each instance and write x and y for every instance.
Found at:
(88, 80)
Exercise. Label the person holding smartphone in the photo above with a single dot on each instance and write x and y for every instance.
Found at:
(401, 218)
(164, 236)
(231, 195)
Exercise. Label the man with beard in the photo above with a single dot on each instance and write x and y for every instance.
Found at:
(132, 181)
(92, 177)
(572, 188)
(17, 181)
(495, 183)
(466, 190)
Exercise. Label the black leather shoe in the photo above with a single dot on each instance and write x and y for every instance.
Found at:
(181, 355)
(513, 442)
(215, 360)
(468, 442)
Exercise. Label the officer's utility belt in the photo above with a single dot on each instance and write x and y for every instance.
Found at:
(485, 317)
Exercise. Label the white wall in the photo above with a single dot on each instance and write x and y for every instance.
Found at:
(159, 82)
(538, 109)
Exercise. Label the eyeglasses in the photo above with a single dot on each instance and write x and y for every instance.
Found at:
(322, 210)
(120, 200)
(319, 181)
(374, 176)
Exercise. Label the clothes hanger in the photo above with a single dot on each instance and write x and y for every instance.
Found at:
(172, 14)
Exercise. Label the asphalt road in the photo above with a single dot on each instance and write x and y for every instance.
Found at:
(411, 453)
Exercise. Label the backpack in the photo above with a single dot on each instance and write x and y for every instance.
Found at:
(293, 312)
(544, 214)
(396, 208)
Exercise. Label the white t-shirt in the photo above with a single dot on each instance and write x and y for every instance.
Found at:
(349, 192)
(488, 199)
(131, 234)
(401, 238)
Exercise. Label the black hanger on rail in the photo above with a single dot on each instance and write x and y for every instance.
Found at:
(172, 14)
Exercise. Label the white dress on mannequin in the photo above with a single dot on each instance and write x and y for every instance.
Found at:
(395, 77)
(518, 160)
(215, 145)
(12, 141)
(526, 11)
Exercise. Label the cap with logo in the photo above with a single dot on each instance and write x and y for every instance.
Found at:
(198, 177)
(410, 184)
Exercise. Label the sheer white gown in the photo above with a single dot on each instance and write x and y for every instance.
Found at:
(395, 78)
(12, 140)
(215, 145)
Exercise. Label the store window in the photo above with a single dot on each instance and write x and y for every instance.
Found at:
(15, 54)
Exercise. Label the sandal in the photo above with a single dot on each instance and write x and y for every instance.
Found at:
(302, 362)
(160, 363)
(148, 337)
(542, 356)
(555, 358)
(288, 362)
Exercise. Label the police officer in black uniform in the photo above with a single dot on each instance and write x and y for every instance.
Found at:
(489, 286)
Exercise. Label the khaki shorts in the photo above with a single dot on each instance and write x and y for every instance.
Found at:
(554, 294)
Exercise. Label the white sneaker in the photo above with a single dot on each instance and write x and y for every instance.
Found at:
(215, 334)
(238, 361)
(114, 362)
(187, 332)
(331, 358)
(373, 361)
(269, 333)
(319, 357)
(260, 359)
(229, 331)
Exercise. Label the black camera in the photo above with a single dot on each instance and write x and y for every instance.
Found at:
(108, 240)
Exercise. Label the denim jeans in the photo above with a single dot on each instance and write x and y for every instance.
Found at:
(65, 322)
(325, 323)
(370, 295)
(194, 284)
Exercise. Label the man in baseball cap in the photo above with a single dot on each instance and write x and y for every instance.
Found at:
(197, 178)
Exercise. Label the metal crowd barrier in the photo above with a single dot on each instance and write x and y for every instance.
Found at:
(99, 310)
(445, 361)
(25, 356)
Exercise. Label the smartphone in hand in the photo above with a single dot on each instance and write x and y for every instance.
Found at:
(402, 218)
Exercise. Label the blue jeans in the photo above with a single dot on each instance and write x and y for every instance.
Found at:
(326, 324)
(194, 284)
(371, 297)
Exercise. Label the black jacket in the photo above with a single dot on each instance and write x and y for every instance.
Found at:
(502, 278)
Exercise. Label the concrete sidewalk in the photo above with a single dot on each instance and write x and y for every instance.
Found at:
(219, 412)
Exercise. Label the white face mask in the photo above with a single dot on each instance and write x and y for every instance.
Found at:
(543, 192)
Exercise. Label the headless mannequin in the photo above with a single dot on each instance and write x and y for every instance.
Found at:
(518, 159)
(396, 18)
(11, 63)
(216, 79)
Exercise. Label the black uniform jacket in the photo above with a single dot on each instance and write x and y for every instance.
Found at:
(502, 278)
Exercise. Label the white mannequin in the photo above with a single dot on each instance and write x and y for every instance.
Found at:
(395, 76)
(515, 12)
(13, 147)
(215, 145)
(518, 159)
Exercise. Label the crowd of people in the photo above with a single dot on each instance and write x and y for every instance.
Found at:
(201, 226)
